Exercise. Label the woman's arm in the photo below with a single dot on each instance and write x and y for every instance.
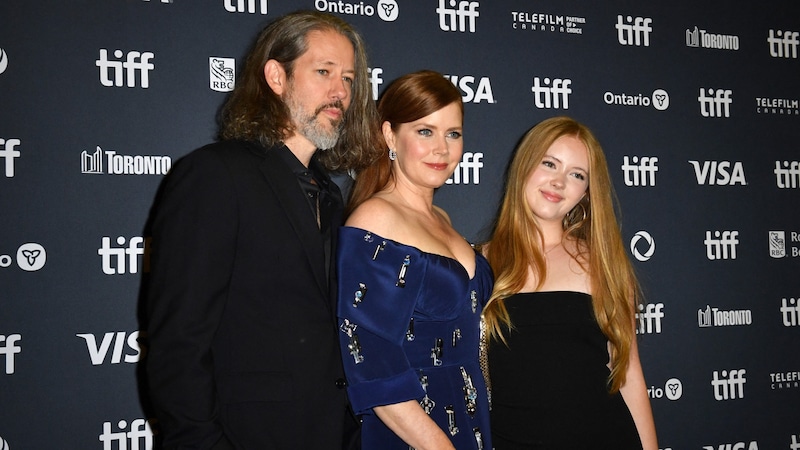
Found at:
(634, 392)
(411, 424)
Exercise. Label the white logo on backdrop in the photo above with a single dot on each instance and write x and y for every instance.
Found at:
(648, 252)
(248, 6)
(3, 60)
(221, 73)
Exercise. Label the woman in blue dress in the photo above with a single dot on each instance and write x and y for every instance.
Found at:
(411, 289)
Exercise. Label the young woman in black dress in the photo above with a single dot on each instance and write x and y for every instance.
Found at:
(563, 361)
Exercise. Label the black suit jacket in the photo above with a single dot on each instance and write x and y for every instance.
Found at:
(241, 312)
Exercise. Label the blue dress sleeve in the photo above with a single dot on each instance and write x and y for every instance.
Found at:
(379, 285)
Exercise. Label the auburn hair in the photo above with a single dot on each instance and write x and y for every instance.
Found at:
(408, 98)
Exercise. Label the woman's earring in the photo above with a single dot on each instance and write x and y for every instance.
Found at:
(392, 154)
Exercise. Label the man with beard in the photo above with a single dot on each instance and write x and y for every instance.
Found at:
(243, 350)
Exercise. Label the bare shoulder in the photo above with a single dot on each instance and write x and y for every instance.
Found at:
(377, 215)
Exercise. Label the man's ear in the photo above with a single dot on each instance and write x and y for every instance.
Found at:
(275, 75)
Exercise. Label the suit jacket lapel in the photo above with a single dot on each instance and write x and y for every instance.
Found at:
(284, 183)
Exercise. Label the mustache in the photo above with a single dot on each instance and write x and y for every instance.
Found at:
(337, 104)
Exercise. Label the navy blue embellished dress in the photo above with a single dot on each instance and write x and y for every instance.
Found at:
(409, 326)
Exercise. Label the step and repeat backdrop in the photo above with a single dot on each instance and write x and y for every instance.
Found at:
(697, 105)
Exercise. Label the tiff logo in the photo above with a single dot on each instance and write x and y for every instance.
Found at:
(795, 445)
(248, 6)
(114, 257)
(634, 31)
(790, 311)
(470, 163)
(134, 61)
(783, 47)
(375, 80)
(456, 19)
(98, 353)
(723, 247)
(787, 176)
(729, 386)
(9, 347)
(717, 104)
(140, 436)
(649, 318)
(7, 152)
(640, 171)
(548, 97)
(162, 1)
(720, 173)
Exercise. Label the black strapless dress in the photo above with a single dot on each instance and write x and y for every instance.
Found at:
(549, 386)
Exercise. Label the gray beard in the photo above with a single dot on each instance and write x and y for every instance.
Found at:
(310, 126)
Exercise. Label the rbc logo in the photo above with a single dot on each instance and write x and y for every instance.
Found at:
(548, 97)
(98, 353)
(636, 33)
(222, 73)
(8, 153)
(114, 258)
(134, 61)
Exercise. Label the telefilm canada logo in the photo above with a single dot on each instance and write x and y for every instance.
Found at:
(221, 73)
(778, 106)
(546, 22)
(784, 380)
